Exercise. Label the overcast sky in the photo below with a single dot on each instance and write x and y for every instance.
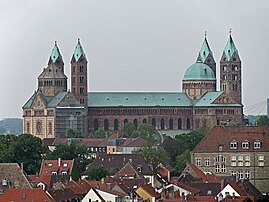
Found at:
(131, 45)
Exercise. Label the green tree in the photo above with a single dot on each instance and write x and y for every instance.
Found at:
(6, 151)
(129, 129)
(97, 173)
(182, 160)
(100, 134)
(263, 121)
(154, 155)
(149, 133)
(73, 133)
(27, 149)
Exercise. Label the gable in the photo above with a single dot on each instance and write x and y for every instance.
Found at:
(39, 102)
(224, 98)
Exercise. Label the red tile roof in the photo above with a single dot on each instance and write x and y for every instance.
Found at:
(59, 166)
(30, 195)
(236, 188)
(212, 141)
(150, 190)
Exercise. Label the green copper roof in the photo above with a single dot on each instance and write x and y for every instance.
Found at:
(57, 99)
(199, 71)
(138, 99)
(230, 48)
(208, 99)
(79, 51)
(204, 52)
(55, 53)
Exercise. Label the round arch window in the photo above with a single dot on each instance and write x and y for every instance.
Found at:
(39, 126)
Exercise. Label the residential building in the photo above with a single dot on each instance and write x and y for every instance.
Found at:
(240, 151)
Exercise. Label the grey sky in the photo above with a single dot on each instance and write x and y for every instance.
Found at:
(131, 45)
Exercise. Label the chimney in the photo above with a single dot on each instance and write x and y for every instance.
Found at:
(109, 186)
(59, 162)
(22, 167)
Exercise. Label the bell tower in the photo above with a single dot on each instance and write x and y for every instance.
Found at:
(230, 71)
(206, 56)
(79, 81)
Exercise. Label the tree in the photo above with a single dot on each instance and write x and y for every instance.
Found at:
(129, 129)
(263, 121)
(27, 149)
(73, 133)
(100, 134)
(149, 133)
(98, 173)
(154, 155)
(182, 160)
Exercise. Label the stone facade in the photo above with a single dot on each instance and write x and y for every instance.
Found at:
(50, 112)
(242, 151)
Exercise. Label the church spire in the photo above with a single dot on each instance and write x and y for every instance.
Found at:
(230, 48)
(206, 55)
(56, 57)
(55, 54)
(79, 52)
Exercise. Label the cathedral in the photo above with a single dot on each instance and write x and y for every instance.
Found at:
(52, 110)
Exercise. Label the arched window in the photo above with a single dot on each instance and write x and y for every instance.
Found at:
(125, 121)
(153, 122)
(95, 124)
(162, 123)
(116, 124)
(179, 123)
(135, 123)
(188, 123)
(50, 128)
(145, 121)
(106, 125)
(171, 124)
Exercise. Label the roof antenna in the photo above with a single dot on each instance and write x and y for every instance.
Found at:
(230, 31)
(55, 42)
(205, 33)
(78, 40)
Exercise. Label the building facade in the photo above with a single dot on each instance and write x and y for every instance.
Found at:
(242, 151)
(52, 111)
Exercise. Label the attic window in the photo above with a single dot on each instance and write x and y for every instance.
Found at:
(65, 164)
(23, 196)
(139, 168)
(49, 164)
(257, 145)
(245, 144)
(220, 147)
(233, 145)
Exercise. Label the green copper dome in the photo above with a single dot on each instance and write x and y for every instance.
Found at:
(199, 71)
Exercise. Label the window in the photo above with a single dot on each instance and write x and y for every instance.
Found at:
(233, 163)
(240, 163)
(223, 168)
(223, 159)
(233, 173)
(39, 127)
(220, 147)
(247, 163)
(233, 158)
(162, 123)
(217, 159)
(247, 174)
(207, 162)
(49, 164)
(106, 125)
(240, 158)
(81, 68)
(65, 164)
(188, 123)
(171, 124)
(198, 162)
(261, 163)
(179, 123)
(116, 124)
(64, 173)
(261, 158)
(233, 145)
(224, 68)
(247, 158)
(245, 145)
(217, 168)
(95, 124)
(54, 173)
(240, 174)
(257, 145)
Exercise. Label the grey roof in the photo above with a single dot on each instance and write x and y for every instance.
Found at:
(14, 175)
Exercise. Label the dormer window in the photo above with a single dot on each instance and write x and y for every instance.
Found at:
(257, 145)
(233, 145)
(54, 173)
(220, 147)
(64, 172)
(65, 164)
(139, 168)
(245, 145)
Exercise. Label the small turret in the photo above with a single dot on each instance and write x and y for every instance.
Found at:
(56, 57)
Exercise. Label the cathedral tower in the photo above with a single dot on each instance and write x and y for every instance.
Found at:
(79, 84)
(206, 56)
(230, 71)
(53, 80)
